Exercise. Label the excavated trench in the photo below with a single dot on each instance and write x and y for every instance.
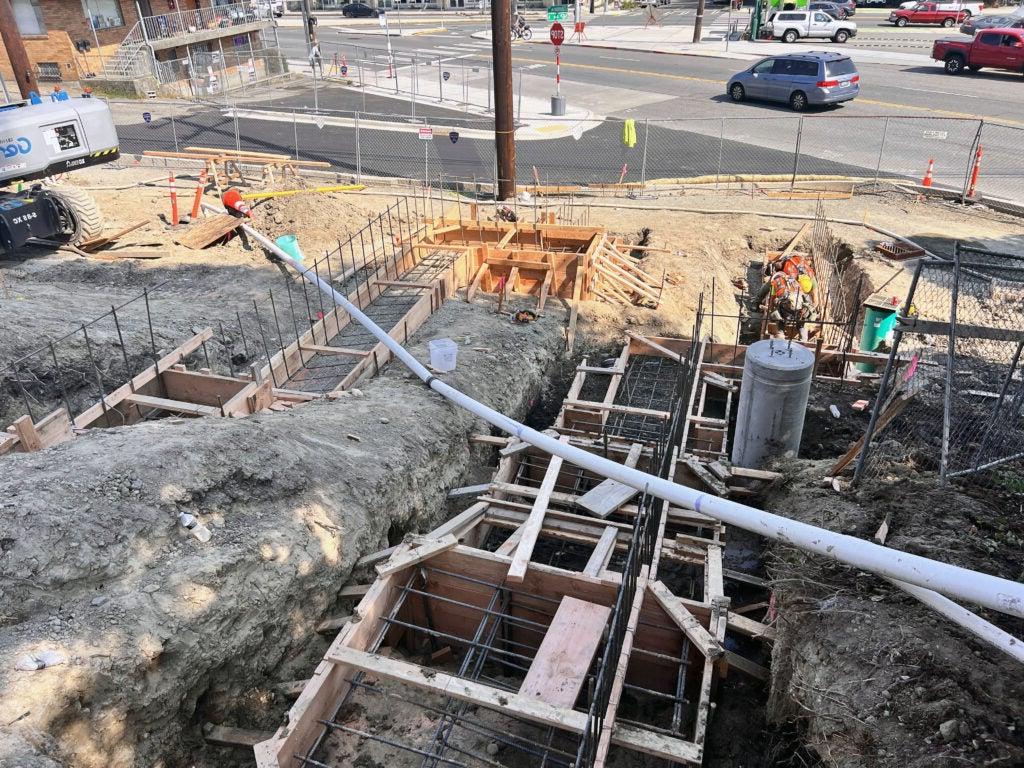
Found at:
(162, 632)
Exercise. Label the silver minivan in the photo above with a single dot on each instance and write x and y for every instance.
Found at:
(798, 79)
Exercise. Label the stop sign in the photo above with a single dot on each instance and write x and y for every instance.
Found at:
(557, 34)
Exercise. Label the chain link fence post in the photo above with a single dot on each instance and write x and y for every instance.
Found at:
(359, 159)
(796, 151)
(970, 162)
(881, 149)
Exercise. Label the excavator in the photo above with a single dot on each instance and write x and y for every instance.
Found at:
(40, 140)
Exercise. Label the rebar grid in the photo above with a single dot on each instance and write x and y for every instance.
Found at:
(650, 382)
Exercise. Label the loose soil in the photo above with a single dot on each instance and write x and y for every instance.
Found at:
(163, 633)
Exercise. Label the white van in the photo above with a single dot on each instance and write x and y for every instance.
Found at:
(790, 26)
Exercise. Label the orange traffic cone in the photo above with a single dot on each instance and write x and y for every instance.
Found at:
(927, 182)
(233, 201)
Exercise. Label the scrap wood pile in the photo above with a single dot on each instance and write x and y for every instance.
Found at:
(618, 279)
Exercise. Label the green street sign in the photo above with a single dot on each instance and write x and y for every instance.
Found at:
(557, 12)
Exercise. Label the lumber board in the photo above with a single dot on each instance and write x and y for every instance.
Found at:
(417, 554)
(751, 628)
(714, 583)
(470, 691)
(27, 434)
(322, 350)
(354, 590)
(609, 495)
(791, 246)
(477, 278)
(746, 578)
(592, 405)
(602, 552)
(713, 483)
(686, 621)
(743, 664)
(531, 532)
(469, 490)
(98, 242)
(229, 736)
(520, 263)
(207, 230)
(545, 288)
(172, 406)
(333, 624)
(655, 346)
(508, 546)
(894, 409)
(559, 667)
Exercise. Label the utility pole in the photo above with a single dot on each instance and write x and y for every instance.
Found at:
(504, 123)
(307, 24)
(16, 52)
(699, 21)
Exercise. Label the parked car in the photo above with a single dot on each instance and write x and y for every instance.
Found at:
(790, 26)
(927, 13)
(267, 8)
(973, 25)
(798, 79)
(992, 48)
(833, 10)
(971, 9)
(358, 11)
(847, 5)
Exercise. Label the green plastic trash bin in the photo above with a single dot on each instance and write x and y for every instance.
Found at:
(879, 324)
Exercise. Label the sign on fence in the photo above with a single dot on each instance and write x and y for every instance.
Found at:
(940, 135)
(426, 133)
(454, 136)
(147, 117)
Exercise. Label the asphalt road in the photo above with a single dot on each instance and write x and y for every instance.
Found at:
(920, 112)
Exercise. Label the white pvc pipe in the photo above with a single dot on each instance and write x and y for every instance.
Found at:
(976, 588)
(973, 623)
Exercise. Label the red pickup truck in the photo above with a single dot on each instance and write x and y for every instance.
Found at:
(928, 13)
(993, 48)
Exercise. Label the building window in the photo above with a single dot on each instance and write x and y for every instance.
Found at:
(104, 14)
(49, 72)
(28, 17)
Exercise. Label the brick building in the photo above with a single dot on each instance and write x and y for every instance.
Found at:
(69, 40)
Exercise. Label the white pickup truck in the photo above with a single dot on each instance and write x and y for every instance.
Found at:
(970, 9)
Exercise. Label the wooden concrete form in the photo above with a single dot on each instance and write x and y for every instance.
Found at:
(523, 501)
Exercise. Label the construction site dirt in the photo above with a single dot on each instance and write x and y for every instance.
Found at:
(163, 634)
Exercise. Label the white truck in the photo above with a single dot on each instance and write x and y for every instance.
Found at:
(790, 26)
(970, 9)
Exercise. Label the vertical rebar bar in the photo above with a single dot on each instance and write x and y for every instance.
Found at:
(227, 349)
(266, 347)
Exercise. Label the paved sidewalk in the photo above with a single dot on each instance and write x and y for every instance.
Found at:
(466, 90)
(678, 40)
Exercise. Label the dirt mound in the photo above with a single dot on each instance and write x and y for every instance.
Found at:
(874, 677)
(95, 565)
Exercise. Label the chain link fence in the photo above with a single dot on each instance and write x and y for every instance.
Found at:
(952, 399)
(549, 151)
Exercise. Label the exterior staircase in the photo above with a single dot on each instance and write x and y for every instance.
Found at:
(131, 60)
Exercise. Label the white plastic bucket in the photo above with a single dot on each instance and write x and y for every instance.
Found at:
(443, 353)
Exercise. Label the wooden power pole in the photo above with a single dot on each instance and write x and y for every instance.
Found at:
(16, 51)
(698, 22)
(504, 123)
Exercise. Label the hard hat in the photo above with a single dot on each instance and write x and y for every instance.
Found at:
(806, 284)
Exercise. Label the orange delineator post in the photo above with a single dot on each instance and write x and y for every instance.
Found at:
(927, 182)
(199, 194)
(975, 172)
(174, 203)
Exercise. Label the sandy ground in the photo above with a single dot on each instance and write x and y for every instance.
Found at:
(162, 632)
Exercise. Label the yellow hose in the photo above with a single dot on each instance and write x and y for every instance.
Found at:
(291, 192)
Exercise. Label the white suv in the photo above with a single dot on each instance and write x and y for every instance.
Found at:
(790, 26)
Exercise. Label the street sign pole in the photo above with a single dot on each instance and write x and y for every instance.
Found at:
(557, 36)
